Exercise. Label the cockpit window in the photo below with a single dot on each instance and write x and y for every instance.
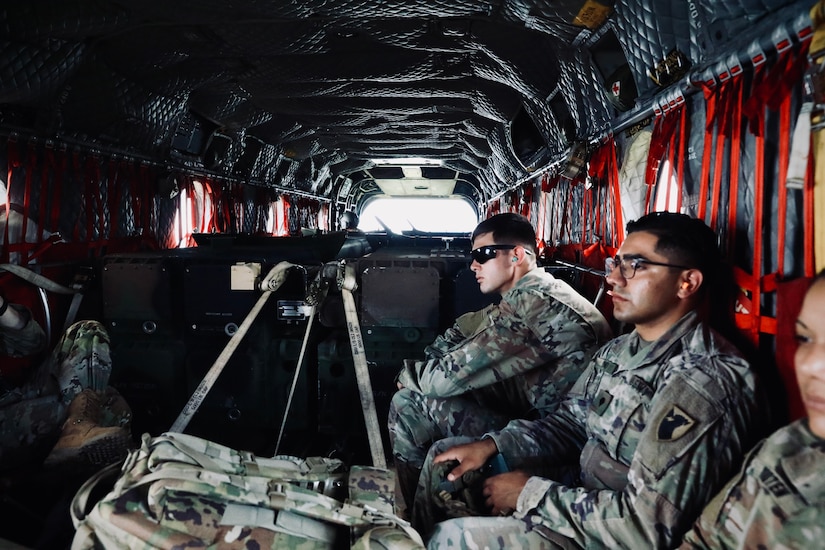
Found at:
(435, 215)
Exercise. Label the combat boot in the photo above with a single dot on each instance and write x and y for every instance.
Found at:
(114, 410)
(83, 440)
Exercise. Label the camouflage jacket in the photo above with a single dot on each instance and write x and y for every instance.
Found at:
(28, 340)
(542, 329)
(656, 430)
(776, 501)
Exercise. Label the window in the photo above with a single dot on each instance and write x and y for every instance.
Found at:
(427, 214)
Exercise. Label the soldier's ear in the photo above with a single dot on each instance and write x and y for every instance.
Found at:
(689, 282)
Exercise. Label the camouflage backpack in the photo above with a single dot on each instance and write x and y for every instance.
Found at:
(179, 491)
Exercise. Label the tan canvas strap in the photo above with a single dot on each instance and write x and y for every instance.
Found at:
(274, 279)
(362, 373)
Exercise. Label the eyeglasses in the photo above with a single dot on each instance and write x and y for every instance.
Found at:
(484, 253)
(628, 266)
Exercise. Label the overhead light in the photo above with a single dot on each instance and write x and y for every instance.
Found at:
(415, 161)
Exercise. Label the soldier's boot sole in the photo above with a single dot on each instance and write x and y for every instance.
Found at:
(100, 450)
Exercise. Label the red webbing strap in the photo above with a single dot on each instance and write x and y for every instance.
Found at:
(711, 99)
(565, 213)
(680, 158)
(526, 204)
(808, 225)
(671, 152)
(94, 200)
(31, 165)
(55, 196)
(758, 207)
(722, 128)
(663, 129)
(149, 214)
(195, 208)
(598, 205)
(284, 229)
(763, 86)
(194, 226)
(13, 163)
(616, 196)
(89, 193)
(782, 191)
(597, 168)
(46, 170)
(113, 198)
(134, 196)
(78, 173)
(735, 157)
(541, 224)
(586, 212)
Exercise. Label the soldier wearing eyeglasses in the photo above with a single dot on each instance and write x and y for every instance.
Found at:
(656, 424)
(514, 359)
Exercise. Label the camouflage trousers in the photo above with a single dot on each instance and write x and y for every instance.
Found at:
(489, 533)
(31, 416)
(417, 421)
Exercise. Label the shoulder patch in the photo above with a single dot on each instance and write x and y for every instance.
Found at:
(674, 425)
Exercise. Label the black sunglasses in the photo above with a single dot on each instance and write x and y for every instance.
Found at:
(484, 253)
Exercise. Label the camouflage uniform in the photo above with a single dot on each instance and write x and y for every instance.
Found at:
(656, 429)
(512, 360)
(776, 501)
(31, 415)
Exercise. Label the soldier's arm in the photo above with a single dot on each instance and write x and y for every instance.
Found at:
(555, 439)
(507, 346)
(693, 423)
(20, 334)
(501, 349)
(709, 532)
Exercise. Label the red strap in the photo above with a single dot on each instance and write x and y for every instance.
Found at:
(735, 157)
(57, 192)
(541, 225)
(586, 214)
(722, 126)
(31, 166)
(78, 176)
(616, 206)
(113, 199)
(710, 123)
(680, 167)
(13, 163)
(47, 170)
(663, 129)
(808, 202)
(782, 191)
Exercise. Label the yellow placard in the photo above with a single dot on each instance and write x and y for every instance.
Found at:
(592, 15)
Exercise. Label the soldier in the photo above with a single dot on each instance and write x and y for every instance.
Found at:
(778, 498)
(515, 359)
(659, 420)
(66, 397)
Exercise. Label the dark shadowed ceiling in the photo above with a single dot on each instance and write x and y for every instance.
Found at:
(306, 95)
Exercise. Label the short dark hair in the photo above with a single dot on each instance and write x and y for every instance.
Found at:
(684, 240)
(509, 228)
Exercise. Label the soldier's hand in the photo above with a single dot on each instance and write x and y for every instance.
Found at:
(471, 456)
(502, 491)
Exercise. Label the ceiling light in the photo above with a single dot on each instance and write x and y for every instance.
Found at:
(415, 161)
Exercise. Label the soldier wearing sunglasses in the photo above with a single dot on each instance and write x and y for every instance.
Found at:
(514, 359)
(656, 424)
